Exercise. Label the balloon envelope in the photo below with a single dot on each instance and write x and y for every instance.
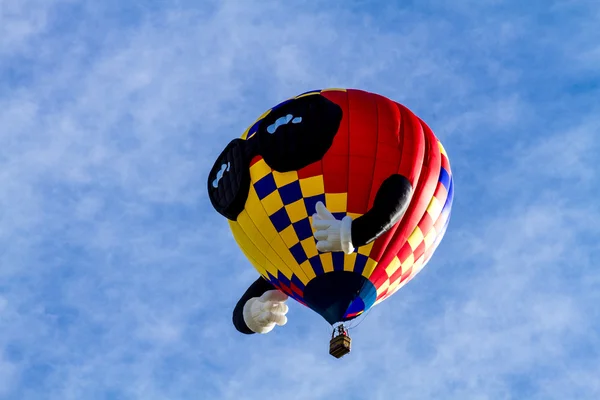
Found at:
(375, 138)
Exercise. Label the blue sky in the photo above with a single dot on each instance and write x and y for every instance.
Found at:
(117, 279)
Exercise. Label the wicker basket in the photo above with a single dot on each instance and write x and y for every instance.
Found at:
(339, 346)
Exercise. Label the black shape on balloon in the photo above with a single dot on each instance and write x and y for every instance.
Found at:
(390, 204)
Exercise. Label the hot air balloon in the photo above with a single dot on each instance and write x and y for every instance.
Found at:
(337, 197)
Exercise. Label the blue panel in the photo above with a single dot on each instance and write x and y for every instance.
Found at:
(310, 91)
(368, 294)
(298, 253)
(281, 104)
(290, 192)
(272, 279)
(359, 265)
(444, 178)
(356, 306)
(339, 215)
(283, 279)
(265, 186)
(311, 202)
(253, 129)
(338, 260)
(303, 229)
(280, 219)
(297, 282)
(317, 265)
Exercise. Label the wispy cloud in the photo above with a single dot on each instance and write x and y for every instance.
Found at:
(117, 279)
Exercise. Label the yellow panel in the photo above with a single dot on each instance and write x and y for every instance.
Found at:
(254, 263)
(417, 267)
(430, 238)
(252, 232)
(263, 115)
(307, 94)
(308, 269)
(349, 260)
(333, 90)
(435, 208)
(415, 239)
(296, 211)
(259, 170)
(289, 236)
(369, 268)
(442, 150)
(354, 215)
(274, 259)
(247, 246)
(245, 134)
(256, 238)
(259, 217)
(272, 203)
(410, 260)
(284, 178)
(310, 247)
(393, 287)
(383, 286)
(312, 186)
(392, 267)
(327, 261)
(284, 252)
(366, 249)
(336, 202)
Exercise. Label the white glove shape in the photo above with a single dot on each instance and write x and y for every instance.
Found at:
(332, 234)
(261, 314)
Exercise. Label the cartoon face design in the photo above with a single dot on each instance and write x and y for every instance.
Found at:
(355, 152)
(292, 136)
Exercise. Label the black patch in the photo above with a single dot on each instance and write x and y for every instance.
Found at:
(285, 147)
(231, 176)
(389, 206)
(331, 294)
(291, 145)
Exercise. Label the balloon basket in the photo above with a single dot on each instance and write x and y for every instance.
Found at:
(340, 344)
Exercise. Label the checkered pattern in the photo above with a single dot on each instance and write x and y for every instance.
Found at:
(274, 230)
(289, 203)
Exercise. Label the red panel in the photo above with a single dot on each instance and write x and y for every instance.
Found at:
(382, 294)
(414, 142)
(445, 163)
(359, 184)
(255, 159)
(405, 252)
(413, 151)
(390, 145)
(419, 250)
(335, 161)
(295, 289)
(398, 274)
(379, 275)
(381, 243)
(426, 223)
(406, 274)
(441, 194)
(335, 173)
(311, 170)
(362, 148)
(439, 223)
(427, 180)
(388, 151)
